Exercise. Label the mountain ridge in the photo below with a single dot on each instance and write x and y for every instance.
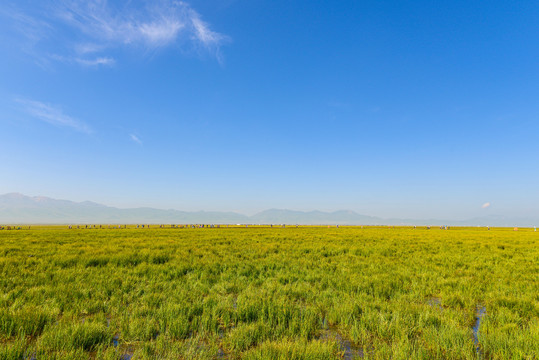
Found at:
(16, 208)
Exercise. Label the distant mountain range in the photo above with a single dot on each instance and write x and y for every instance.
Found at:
(20, 209)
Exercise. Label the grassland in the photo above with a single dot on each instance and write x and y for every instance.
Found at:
(269, 293)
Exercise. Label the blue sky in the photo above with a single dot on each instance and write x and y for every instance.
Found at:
(413, 109)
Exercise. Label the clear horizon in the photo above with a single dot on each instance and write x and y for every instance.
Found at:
(395, 109)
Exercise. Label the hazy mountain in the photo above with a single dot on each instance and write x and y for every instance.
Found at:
(18, 208)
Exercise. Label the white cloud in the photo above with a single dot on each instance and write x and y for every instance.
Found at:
(96, 61)
(160, 33)
(202, 31)
(32, 28)
(98, 27)
(135, 138)
(160, 24)
(88, 48)
(485, 205)
(53, 115)
(25, 32)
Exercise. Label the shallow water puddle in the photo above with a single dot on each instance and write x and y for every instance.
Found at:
(115, 340)
(221, 354)
(435, 303)
(128, 353)
(480, 312)
(30, 357)
(348, 350)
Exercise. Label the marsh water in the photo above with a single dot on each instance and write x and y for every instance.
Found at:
(480, 312)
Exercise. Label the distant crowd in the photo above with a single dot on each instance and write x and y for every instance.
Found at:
(144, 226)
(8, 227)
(191, 226)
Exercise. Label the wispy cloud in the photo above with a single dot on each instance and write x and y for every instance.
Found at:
(96, 62)
(202, 31)
(53, 115)
(25, 31)
(485, 205)
(33, 28)
(97, 28)
(135, 138)
(88, 62)
(88, 48)
(160, 33)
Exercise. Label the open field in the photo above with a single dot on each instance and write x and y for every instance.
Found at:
(269, 293)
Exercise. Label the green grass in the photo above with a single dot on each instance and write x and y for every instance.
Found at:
(268, 293)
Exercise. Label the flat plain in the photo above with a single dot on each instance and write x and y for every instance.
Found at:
(269, 293)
